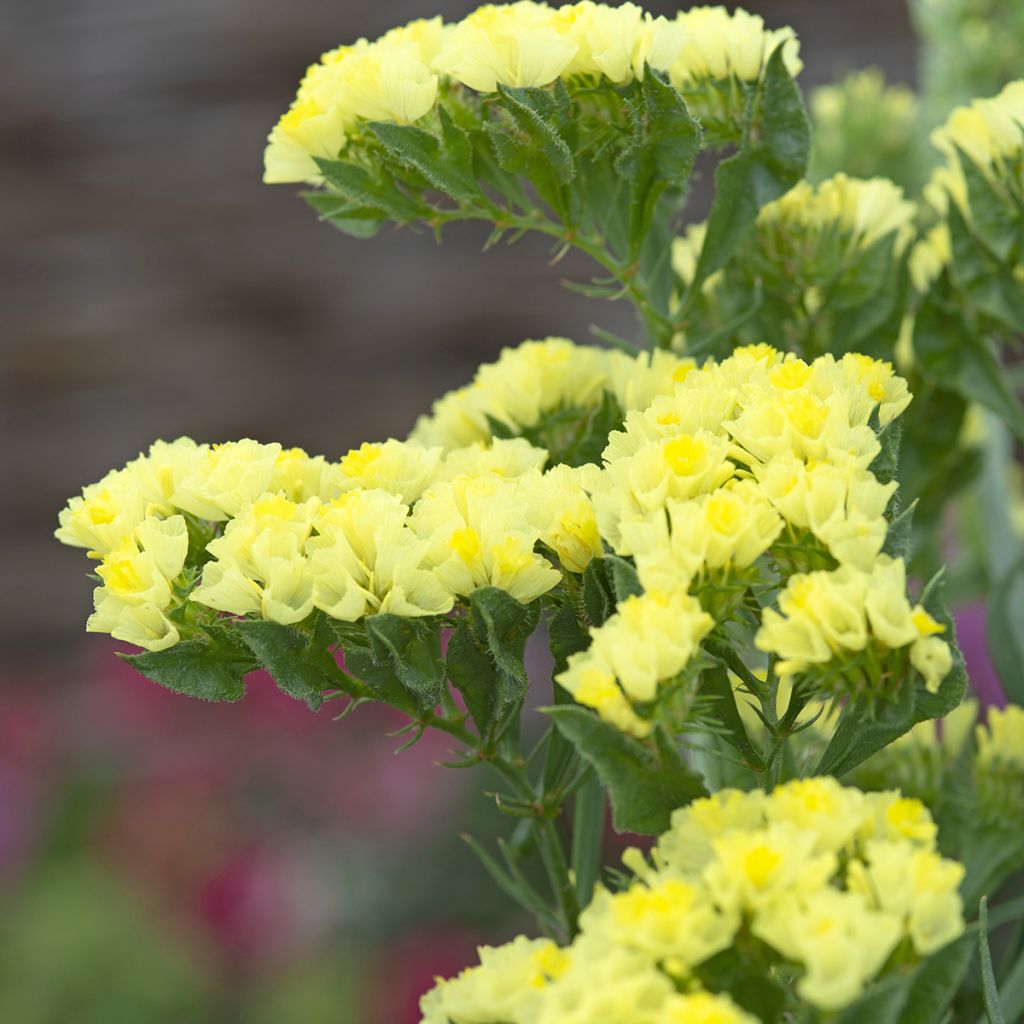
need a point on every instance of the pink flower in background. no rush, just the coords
(970, 633)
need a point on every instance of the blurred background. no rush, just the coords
(159, 860)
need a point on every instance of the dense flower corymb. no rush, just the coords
(831, 880)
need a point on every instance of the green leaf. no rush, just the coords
(765, 167)
(717, 688)
(786, 126)
(887, 461)
(412, 649)
(991, 219)
(664, 142)
(1011, 992)
(748, 983)
(346, 216)
(426, 155)
(380, 194)
(195, 668)
(485, 656)
(474, 674)
(301, 668)
(645, 785)
(527, 141)
(1004, 622)
(960, 359)
(587, 836)
(505, 625)
(993, 1011)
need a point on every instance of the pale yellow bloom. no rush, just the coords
(515, 45)
(478, 535)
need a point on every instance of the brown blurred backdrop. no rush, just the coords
(151, 286)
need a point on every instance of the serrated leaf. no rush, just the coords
(425, 154)
(598, 592)
(527, 141)
(504, 625)
(382, 194)
(786, 126)
(195, 668)
(411, 647)
(887, 461)
(645, 785)
(298, 667)
(474, 674)
(664, 142)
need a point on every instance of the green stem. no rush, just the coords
(587, 836)
(545, 833)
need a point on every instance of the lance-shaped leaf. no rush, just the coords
(412, 647)
(370, 192)
(663, 144)
(527, 141)
(645, 784)
(301, 667)
(197, 668)
(432, 158)
(485, 656)
(767, 165)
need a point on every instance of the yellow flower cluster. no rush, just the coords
(862, 211)
(720, 44)
(762, 452)
(537, 378)
(650, 639)
(399, 77)
(832, 880)
(1001, 739)
(990, 133)
(829, 616)
(393, 527)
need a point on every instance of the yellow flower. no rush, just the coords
(517, 45)
(843, 506)
(366, 559)
(650, 640)
(917, 886)
(820, 805)
(1001, 738)
(506, 458)
(260, 566)
(479, 535)
(616, 42)
(720, 44)
(593, 684)
(403, 468)
(559, 506)
(841, 941)
(727, 529)
(109, 511)
(669, 919)
(138, 581)
(677, 467)
(752, 870)
(225, 478)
